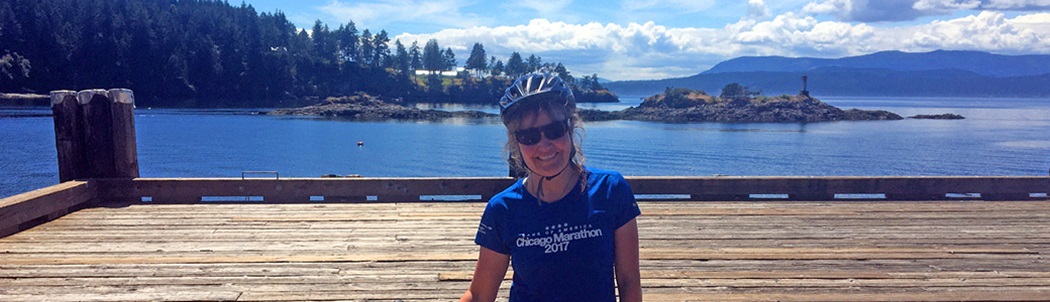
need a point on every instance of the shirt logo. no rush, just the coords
(556, 238)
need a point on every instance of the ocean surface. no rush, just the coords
(998, 137)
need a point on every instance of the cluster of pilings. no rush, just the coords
(95, 133)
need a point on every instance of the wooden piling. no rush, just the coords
(68, 137)
(125, 150)
(97, 126)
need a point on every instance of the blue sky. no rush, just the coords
(652, 39)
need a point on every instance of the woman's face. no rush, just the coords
(547, 157)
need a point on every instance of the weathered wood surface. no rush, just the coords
(691, 251)
(23, 210)
(69, 139)
(95, 133)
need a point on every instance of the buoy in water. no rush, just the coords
(360, 143)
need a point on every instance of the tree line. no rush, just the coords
(208, 53)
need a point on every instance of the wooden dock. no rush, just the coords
(343, 249)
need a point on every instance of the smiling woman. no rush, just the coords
(569, 229)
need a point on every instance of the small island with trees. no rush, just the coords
(736, 104)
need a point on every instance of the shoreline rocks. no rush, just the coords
(363, 107)
(24, 99)
(945, 116)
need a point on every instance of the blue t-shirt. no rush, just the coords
(563, 250)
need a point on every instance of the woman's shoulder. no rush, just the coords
(511, 194)
(597, 174)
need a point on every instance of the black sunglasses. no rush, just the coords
(552, 131)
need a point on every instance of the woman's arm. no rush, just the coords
(488, 275)
(628, 277)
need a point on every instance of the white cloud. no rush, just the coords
(649, 50)
(1017, 4)
(828, 7)
(1039, 22)
(989, 31)
(756, 9)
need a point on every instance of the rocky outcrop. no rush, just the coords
(362, 107)
(785, 109)
(592, 115)
(946, 116)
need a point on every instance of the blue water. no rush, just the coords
(998, 137)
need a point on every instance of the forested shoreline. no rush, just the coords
(206, 53)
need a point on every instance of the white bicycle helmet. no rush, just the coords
(528, 86)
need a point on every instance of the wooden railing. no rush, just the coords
(25, 210)
(295, 190)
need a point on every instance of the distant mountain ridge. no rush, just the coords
(888, 73)
(982, 63)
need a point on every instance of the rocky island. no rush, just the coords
(363, 107)
(685, 105)
(675, 105)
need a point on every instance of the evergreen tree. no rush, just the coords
(491, 65)
(381, 50)
(450, 59)
(515, 66)
(416, 58)
(324, 44)
(367, 49)
(498, 69)
(433, 57)
(348, 42)
(533, 63)
(477, 60)
(585, 82)
(564, 74)
(595, 84)
(402, 61)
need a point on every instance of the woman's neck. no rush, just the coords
(552, 188)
